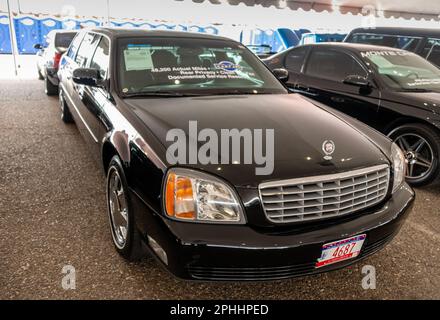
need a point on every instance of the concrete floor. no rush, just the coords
(52, 214)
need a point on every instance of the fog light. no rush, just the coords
(158, 250)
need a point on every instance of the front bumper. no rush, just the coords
(239, 252)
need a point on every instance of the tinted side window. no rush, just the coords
(85, 51)
(74, 46)
(100, 59)
(333, 65)
(431, 51)
(295, 59)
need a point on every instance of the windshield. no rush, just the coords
(191, 66)
(403, 70)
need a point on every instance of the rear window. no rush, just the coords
(63, 40)
(295, 59)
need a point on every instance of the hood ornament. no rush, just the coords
(328, 147)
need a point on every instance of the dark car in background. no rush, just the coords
(394, 91)
(336, 193)
(424, 42)
(49, 55)
(261, 51)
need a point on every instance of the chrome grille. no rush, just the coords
(326, 196)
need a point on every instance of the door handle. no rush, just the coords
(306, 90)
(337, 99)
(80, 91)
(302, 87)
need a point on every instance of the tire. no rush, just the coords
(40, 75)
(422, 149)
(66, 116)
(50, 89)
(129, 247)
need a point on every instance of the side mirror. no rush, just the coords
(87, 76)
(281, 74)
(359, 81)
(38, 46)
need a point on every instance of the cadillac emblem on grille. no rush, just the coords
(328, 147)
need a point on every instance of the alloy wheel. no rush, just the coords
(418, 153)
(118, 208)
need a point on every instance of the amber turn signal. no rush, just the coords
(179, 198)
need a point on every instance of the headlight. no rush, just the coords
(399, 166)
(195, 196)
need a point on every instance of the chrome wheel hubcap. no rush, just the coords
(118, 208)
(418, 155)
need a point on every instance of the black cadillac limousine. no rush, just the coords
(299, 188)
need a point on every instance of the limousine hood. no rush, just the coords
(300, 130)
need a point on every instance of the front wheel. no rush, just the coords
(126, 237)
(421, 147)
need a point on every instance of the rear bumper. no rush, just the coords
(238, 252)
(52, 76)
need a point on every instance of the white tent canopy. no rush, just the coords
(418, 9)
(316, 15)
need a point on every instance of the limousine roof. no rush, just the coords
(394, 31)
(126, 33)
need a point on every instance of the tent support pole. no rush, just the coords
(13, 38)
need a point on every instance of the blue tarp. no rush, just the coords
(274, 38)
(47, 25)
(322, 37)
(5, 39)
(28, 34)
(31, 30)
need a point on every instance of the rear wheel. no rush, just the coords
(66, 116)
(50, 88)
(421, 146)
(126, 237)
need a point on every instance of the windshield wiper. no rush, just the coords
(159, 93)
(235, 92)
(416, 90)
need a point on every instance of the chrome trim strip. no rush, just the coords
(322, 178)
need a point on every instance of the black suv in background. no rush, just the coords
(394, 91)
(424, 42)
(49, 55)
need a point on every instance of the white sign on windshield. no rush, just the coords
(423, 82)
(138, 58)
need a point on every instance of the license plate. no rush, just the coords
(340, 250)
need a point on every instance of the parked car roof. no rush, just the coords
(353, 46)
(126, 32)
(420, 32)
